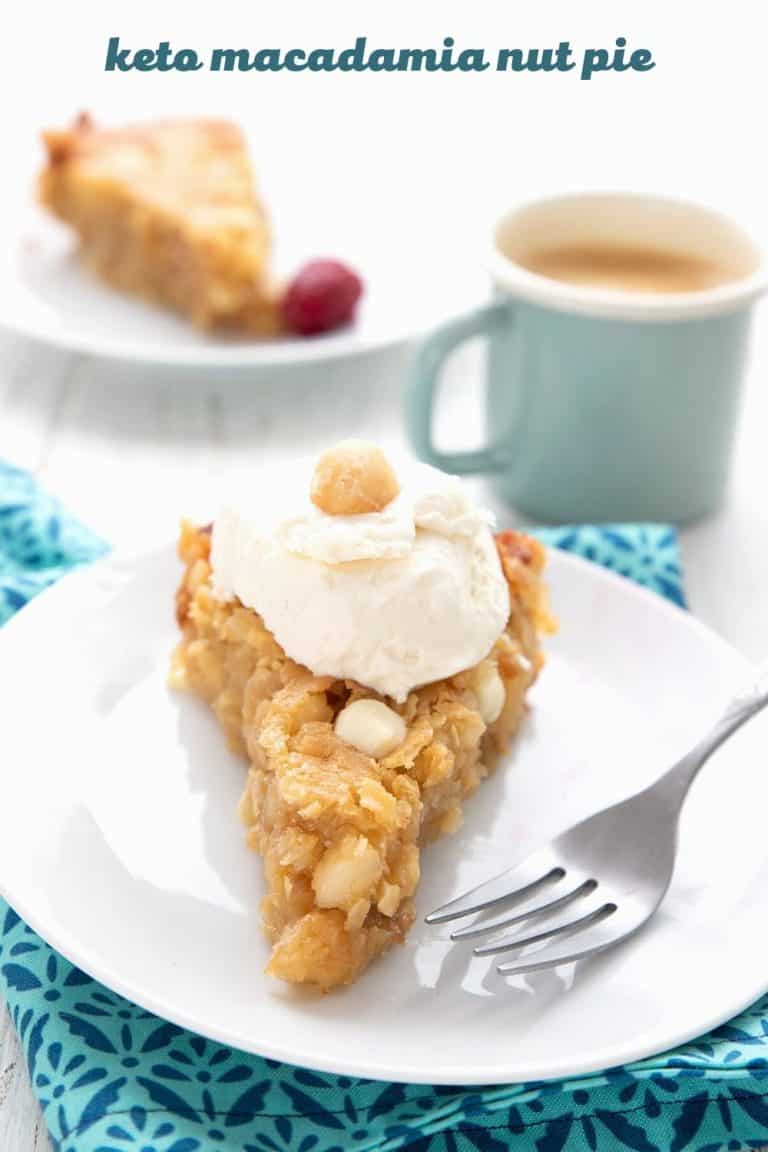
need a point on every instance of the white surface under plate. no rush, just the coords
(120, 844)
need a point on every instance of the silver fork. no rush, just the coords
(597, 883)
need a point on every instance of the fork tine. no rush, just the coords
(564, 926)
(602, 934)
(520, 882)
(532, 908)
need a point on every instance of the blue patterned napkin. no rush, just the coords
(111, 1077)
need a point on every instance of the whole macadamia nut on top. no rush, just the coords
(351, 478)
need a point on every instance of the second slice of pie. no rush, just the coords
(369, 652)
(168, 210)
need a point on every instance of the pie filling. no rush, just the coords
(341, 829)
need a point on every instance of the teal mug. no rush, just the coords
(617, 338)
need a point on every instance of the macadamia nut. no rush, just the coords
(371, 727)
(352, 478)
(489, 689)
(389, 898)
(348, 872)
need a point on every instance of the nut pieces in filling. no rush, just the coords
(371, 727)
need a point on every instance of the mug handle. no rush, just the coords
(424, 378)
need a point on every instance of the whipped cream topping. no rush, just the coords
(392, 599)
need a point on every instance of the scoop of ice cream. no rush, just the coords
(395, 598)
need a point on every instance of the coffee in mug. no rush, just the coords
(624, 268)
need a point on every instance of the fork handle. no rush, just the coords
(741, 709)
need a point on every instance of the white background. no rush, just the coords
(420, 159)
(460, 145)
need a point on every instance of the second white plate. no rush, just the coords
(49, 296)
(395, 241)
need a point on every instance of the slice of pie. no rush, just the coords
(346, 782)
(168, 210)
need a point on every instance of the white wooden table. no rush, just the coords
(130, 450)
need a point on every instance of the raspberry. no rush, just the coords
(322, 296)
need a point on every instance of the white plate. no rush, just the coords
(46, 294)
(119, 842)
